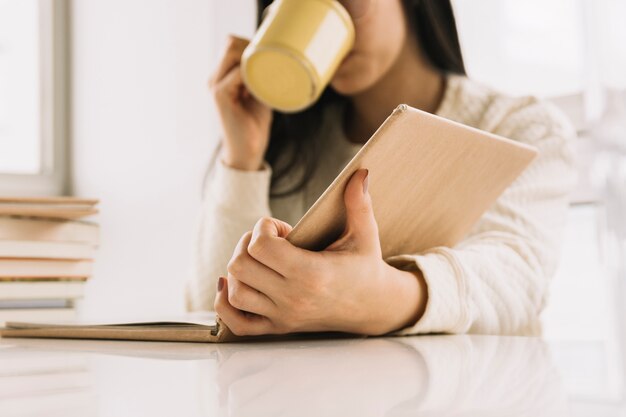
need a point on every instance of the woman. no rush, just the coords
(272, 164)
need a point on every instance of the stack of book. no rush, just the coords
(46, 256)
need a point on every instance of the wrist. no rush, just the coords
(242, 164)
(405, 298)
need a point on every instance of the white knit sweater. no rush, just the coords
(494, 281)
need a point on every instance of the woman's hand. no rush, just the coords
(245, 121)
(274, 287)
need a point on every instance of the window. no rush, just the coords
(552, 49)
(32, 97)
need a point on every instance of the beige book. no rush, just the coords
(44, 268)
(38, 290)
(54, 212)
(430, 180)
(7, 279)
(193, 328)
(37, 315)
(45, 250)
(50, 200)
(49, 230)
(48, 207)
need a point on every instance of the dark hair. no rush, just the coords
(295, 135)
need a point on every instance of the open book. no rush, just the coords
(192, 328)
(430, 180)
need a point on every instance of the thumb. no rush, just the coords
(361, 227)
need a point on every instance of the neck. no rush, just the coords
(410, 80)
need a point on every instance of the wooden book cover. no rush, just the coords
(430, 180)
(193, 328)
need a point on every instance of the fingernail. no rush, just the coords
(366, 181)
(220, 284)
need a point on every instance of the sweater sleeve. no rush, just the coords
(233, 200)
(496, 279)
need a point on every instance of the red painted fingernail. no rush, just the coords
(220, 284)
(366, 181)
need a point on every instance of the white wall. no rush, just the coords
(142, 133)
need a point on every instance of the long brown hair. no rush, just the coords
(431, 21)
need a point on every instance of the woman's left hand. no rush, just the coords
(274, 287)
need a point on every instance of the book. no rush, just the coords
(43, 268)
(26, 304)
(35, 210)
(38, 280)
(45, 250)
(430, 181)
(198, 328)
(47, 207)
(37, 289)
(58, 201)
(49, 230)
(194, 328)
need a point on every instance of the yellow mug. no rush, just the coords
(296, 51)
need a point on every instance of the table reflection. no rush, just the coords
(431, 375)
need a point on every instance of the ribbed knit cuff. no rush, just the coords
(245, 191)
(446, 310)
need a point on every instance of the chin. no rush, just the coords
(351, 81)
(349, 86)
(345, 87)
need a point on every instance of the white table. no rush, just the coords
(576, 370)
(432, 375)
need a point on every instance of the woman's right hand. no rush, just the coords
(245, 121)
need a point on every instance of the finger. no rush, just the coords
(246, 298)
(269, 246)
(231, 84)
(239, 322)
(361, 226)
(251, 272)
(232, 87)
(230, 57)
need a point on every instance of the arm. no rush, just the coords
(496, 279)
(237, 192)
(233, 201)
